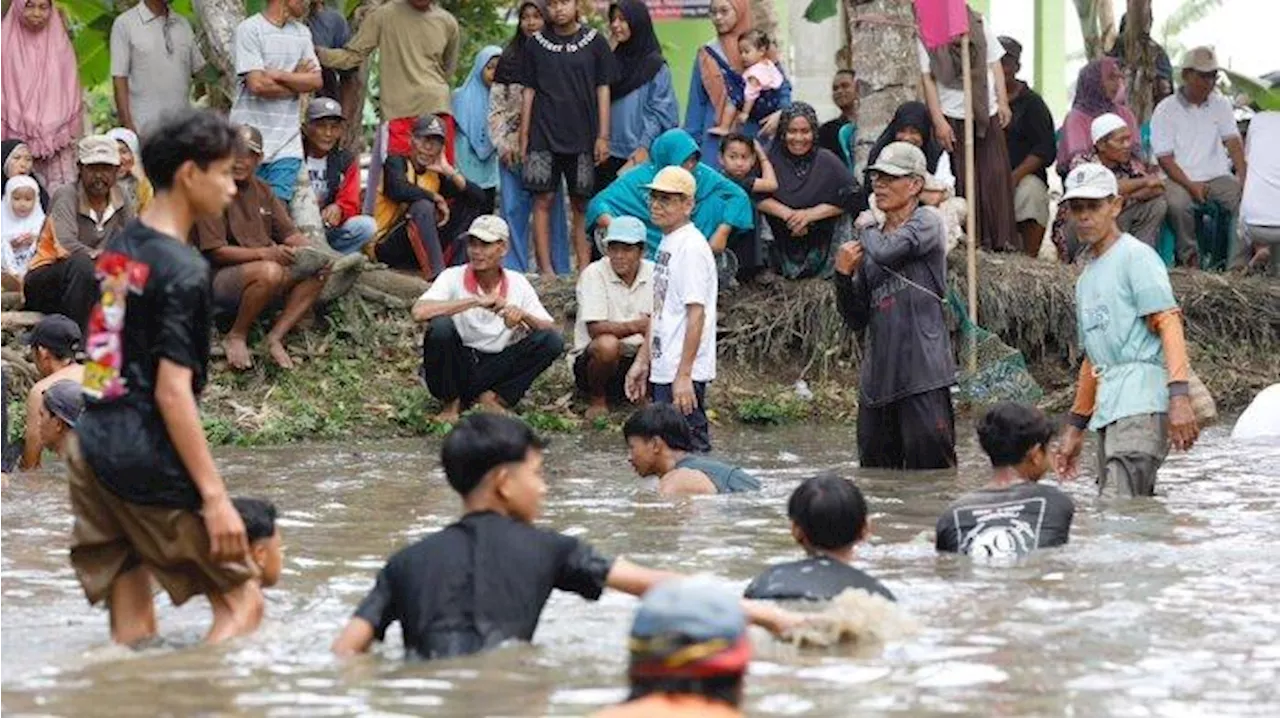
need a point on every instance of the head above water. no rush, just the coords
(652, 434)
(1016, 436)
(828, 513)
(259, 516)
(495, 464)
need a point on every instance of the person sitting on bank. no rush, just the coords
(53, 341)
(891, 283)
(485, 579)
(1195, 139)
(828, 519)
(60, 408)
(91, 210)
(1138, 397)
(488, 335)
(258, 256)
(1032, 148)
(335, 178)
(423, 202)
(1014, 513)
(689, 653)
(660, 443)
(615, 298)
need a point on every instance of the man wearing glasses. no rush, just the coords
(1192, 133)
(153, 56)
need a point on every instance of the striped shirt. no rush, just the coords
(260, 45)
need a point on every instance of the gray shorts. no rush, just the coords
(1130, 452)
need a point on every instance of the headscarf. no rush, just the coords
(512, 60)
(909, 114)
(813, 178)
(1090, 101)
(12, 226)
(709, 70)
(640, 57)
(7, 147)
(41, 87)
(130, 139)
(471, 105)
(718, 200)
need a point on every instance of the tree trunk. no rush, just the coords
(218, 21)
(1097, 26)
(1140, 60)
(353, 140)
(882, 50)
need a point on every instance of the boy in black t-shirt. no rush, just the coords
(747, 165)
(564, 123)
(148, 501)
(828, 518)
(483, 580)
(1013, 514)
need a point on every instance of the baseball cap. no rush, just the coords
(99, 150)
(428, 126)
(1011, 47)
(901, 159)
(57, 333)
(1090, 181)
(323, 107)
(489, 228)
(251, 138)
(680, 614)
(1200, 59)
(625, 230)
(1104, 125)
(65, 400)
(674, 180)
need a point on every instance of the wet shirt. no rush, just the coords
(729, 479)
(478, 583)
(565, 72)
(816, 578)
(1006, 523)
(154, 304)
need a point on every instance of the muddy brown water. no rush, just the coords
(1164, 607)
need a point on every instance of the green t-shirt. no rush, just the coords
(728, 479)
(1114, 295)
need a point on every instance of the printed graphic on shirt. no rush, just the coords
(661, 280)
(118, 276)
(1005, 530)
(571, 46)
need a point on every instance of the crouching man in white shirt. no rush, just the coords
(488, 335)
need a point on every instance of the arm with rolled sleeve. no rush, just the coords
(354, 53)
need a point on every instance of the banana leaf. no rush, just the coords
(1264, 97)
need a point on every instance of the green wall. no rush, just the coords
(680, 42)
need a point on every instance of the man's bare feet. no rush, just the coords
(279, 354)
(489, 402)
(598, 408)
(237, 351)
(450, 413)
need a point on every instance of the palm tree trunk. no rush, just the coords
(1140, 58)
(882, 50)
(218, 21)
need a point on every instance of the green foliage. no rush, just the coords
(821, 10)
(764, 411)
(1266, 98)
(483, 22)
(550, 423)
(1183, 17)
(17, 427)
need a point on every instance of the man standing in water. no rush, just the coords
(1132, 388)
(147, 499)
(678, 357)
(905, 417)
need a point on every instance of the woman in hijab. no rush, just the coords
(643, 99)
(708, 92)
(41, 88)
(505, 98)
(17, 161)
(131, 178)
(720, 207)
(477, 157)
(910, 123)
(1098, 87)
(815, 191)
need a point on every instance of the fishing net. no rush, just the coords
(1000, 372)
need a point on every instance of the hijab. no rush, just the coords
(13, 226)
(914, 115)
(709, 70)
(512, 59)
(640, 57)
(8, 146)
(471, 105)
(810, 179)
(717, 200)
(40, 86)
(1090, 102)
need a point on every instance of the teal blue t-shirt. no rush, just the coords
(1114, 295)
(729, 479)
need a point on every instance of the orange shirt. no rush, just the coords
(48, 249)
(668, 705)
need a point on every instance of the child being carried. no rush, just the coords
(762, 81)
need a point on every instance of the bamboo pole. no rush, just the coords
(970, 191)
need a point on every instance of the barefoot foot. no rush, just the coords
(450, 413)
(237, 351)
(597, 409)
(279, 354)
(489, 402)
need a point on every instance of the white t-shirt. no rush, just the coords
(951, 99)
(684, 274)
(480, 328)
(1194, 134)
(317, 170)
(1260, 205)
(604, 297)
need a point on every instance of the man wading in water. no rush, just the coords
(1132, 388)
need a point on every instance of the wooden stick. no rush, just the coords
(971, 218)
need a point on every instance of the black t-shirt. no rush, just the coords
(565, 73)
(829, 136)
(477, 583)
(1006, 522)
(1031, 131)
(154, 304)
(816, 578)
